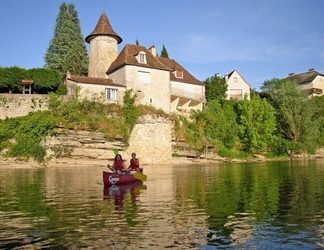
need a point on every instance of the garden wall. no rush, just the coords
(14, 105)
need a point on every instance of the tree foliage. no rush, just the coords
(297, 125)
(318, 108)
(10, 79)
(131, 113)
(257, 123)
(216, 88)
(215, 127)
(295, 113)
(44, 80)
(27, 132)
(164, 52)
(67, 44)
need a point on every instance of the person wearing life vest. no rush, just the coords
(134, 166)
(118, 166)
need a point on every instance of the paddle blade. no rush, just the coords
(140, 176)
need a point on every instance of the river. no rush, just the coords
(260, 205)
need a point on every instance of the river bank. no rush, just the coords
(63, 162)
(72, 162)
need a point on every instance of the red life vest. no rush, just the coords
(133, 164)
(118, 165)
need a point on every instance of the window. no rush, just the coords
(141, 57)
(111, 94)
(179, 74)
(143, 77)
(236, 94)
(235, 79)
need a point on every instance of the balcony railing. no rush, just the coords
(186, 94)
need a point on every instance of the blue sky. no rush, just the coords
(261, 39)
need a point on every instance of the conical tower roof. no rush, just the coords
(103, 28)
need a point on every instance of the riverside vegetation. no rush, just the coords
(280, 121)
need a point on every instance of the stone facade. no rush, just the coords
(103, 51)
(156, 92)
(14, 105)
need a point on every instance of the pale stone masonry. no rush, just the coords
(14, 105)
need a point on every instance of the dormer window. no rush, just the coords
(178, 74)
(141, 57)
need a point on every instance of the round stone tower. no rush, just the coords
(103, 48)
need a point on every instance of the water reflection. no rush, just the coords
(120, 192)
(270, 205)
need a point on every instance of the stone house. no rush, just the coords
(237, 86)
(310, 81)
(160, 82)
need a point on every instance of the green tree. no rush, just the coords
(297, 124)
(67, 40)
(318, 108)
(73, 62)
(216, 126)
(45, 80)
(257, 123)
(131, 113)
(164, 52)
(270, 89)
(10, 79)
(216, 88)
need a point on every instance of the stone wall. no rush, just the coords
(14, 105)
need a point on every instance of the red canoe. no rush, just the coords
(110, 179)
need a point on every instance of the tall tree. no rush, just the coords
(257, 122)
(296, 121)
(164, 52)
(67, 39)
(295, 115)
(216, 88)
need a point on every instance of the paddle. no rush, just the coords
(140, 176)
(113, 169)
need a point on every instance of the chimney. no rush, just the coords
(226, 78)
(152, 49)
(291, 74)
(312, 69)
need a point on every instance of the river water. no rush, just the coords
(265, 205)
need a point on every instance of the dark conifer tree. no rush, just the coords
(164, 52)
(67, 43)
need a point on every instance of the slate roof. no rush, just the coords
(94, 80)
(103, 28)
(128, 57)
(304, 77)
(173, 65)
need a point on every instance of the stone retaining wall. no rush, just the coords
(14, 105)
